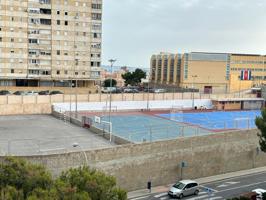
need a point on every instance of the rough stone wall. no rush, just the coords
(134, 164)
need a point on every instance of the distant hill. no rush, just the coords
(117, 68)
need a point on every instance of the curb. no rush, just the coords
(221, 177)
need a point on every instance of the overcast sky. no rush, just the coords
(133, 30)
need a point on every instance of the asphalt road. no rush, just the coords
(224, 189)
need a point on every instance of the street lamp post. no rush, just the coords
(112, 61)
(193, 79)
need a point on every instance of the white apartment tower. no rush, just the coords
(50, 42)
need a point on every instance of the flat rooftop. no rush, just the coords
(44, 134)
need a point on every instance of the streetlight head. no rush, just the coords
(75, 144)
(112, 60)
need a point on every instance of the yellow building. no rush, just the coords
(50, 42)
(208, 72)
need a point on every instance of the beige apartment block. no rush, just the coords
(50, 42)
(206, 71)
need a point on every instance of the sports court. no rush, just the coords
(147, 128)
(164, 125)
(44, 134)
(217, 120)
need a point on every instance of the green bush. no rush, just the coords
(20, 180)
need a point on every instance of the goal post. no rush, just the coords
(176, 113)
(242, 123)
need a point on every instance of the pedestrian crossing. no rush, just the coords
(201, 196)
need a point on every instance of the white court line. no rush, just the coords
(160, 195)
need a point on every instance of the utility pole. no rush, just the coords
(112, 61)
(193, 79)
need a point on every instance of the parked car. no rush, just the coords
(4, 92)
(56, 92)
(130, 90)
(31, 93)
(107, 90)
(259, 192)
(20, 93)
(46, 92)
(159, 90)
(184, 188)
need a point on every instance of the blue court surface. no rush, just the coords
(217, 120)
(146, 128)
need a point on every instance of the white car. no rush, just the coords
(184, 188)
(259, 192)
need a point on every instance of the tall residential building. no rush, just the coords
(207, 71)
(50, 42)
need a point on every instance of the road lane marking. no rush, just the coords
(236, 177)
(208, 188)
(137, 198)
(163, 198)
(160, 195)
(232, 183)
(223, 185)
(200, 193)
(198, 197)
(214, 198)
(242, 186)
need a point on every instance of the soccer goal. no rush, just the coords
(107, 109)
(176, 113)
(242, 123)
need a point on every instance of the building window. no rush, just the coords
(58, 72)
(0, 39)
(12, 71)
(58, 22)
(66, 23)
(96, 16)
(58, 12)
(66, 13)
(65, 72)
(96, 6)
(76, 73)
(12, 40)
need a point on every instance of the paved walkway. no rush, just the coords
(164, 188)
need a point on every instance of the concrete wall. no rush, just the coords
(134, 164)
(135, 105)
(42, 104)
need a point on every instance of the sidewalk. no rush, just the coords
(161, 189)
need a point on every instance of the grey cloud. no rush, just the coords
(135, 29)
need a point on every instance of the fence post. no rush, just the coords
(8, 147)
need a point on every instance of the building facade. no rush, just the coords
(207, 71)
(50, 42)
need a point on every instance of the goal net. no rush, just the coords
(107, 109)
(242, 123)
(176, 113)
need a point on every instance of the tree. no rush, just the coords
(134, 78)
(107, 83)
(261, 125)
(20, 180)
